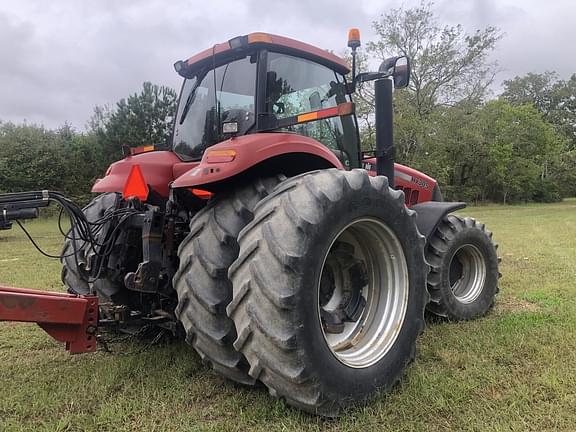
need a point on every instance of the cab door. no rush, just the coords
(296, 86)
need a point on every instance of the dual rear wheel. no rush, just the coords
(325, 292)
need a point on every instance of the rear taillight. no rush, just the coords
(201, 193)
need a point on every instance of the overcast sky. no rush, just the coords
(60, 58)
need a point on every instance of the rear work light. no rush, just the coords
(219, 156)
(238, 42)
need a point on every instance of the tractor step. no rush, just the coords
(67, 318)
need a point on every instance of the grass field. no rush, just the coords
(513, 370)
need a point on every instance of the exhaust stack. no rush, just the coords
(385, 150)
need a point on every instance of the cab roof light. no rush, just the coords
(238, 42)
(180, 67)
(259, 37)
(135, 186)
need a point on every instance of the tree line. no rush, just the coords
(517, 146)
(33, 157)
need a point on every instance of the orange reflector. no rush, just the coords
(339, 110)
(201, 193)
(307, 117)
(259, 37)
(218, 156)
(135, 186)
(141, 149)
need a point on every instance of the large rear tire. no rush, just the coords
(463, 280)
(329, 289)
(202, 283)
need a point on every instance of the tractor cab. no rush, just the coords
(265, 83)
(261, 104)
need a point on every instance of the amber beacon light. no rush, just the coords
(354, 38)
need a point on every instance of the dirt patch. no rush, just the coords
(514, 305)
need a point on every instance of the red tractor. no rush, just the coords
(283, 252)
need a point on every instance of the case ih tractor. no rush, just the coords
(282, 252)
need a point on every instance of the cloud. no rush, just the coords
(59, 62)
(60, 59)
(477, 14)
(533, 32)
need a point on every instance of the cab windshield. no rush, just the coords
(211, 98)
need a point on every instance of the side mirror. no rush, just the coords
(399, 69)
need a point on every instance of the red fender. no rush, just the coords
(236, 155)
(157, 168)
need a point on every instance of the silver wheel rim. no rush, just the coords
(472, 276)
(367, 337)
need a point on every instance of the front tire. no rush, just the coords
(463, 280)
(329, 289)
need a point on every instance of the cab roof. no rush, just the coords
(280, 43)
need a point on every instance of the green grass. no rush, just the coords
(512, 370)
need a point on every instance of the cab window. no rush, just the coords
(210, 98)
(294, 86)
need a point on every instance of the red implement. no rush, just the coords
(66, 317)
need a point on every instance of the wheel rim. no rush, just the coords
(467, 273)
(363, 293)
